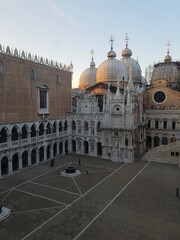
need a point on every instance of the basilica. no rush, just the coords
(115, 113)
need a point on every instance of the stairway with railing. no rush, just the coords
(164, 153)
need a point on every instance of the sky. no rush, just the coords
(66, 31)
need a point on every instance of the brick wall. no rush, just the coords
(19, 93)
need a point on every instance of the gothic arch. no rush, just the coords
(41, 129)
(86, 147)
(55, 149)
(33, 156)
(4, 165)
(66, 147)
(4, 135)
(15, 162)
(33, 130)
(60, 148)
(156, 141)
(48, 151)
(54, 126)
(65, 125)
(48, 128)
(148, 141)
(14, 133)
(98, 126)
(41, 154)
(73, 146)
(99, 149)
(60, 126)
(24, 159)
(73, 125)
(24, 132)
(86, 126)
(164, 141)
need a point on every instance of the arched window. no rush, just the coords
(33, 74)
(33, 130)
(86, 126)
(14, 133)
(73, 125)
(48, 128)
(54, 127)
(98, 126)
(41, 129)
(156, 124)
(3, 135)
(165, 124)
(60, 126)
(43, 100)
(65, 126)
(24, 132)
(173, 125)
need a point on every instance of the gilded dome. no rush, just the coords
(88, 76)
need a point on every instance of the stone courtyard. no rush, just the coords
(113, 201)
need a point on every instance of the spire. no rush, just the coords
(130, 85)
(92, 64)
(118, 94)
(108, 97)
(111, 54)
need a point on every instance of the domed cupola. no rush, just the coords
(111, 70)
(168, 70)
(131, 63)
(88, 76)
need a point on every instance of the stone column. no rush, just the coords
(20, 162)
(45, 155)
(10, 166)
(29, 159)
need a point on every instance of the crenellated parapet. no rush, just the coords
(34, 58)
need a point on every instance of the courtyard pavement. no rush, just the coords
(115, 201)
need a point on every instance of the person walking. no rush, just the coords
(177, 192)
(87, 170)
(79, 161)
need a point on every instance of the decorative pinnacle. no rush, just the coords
(126, 39)
(111, 40)
(168, 45)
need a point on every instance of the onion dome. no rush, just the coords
(167, 57)
(88, 76)
(126, 52)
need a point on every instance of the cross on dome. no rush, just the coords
(111, 40)
(168, 45)
(92, 53)
(126, 39)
